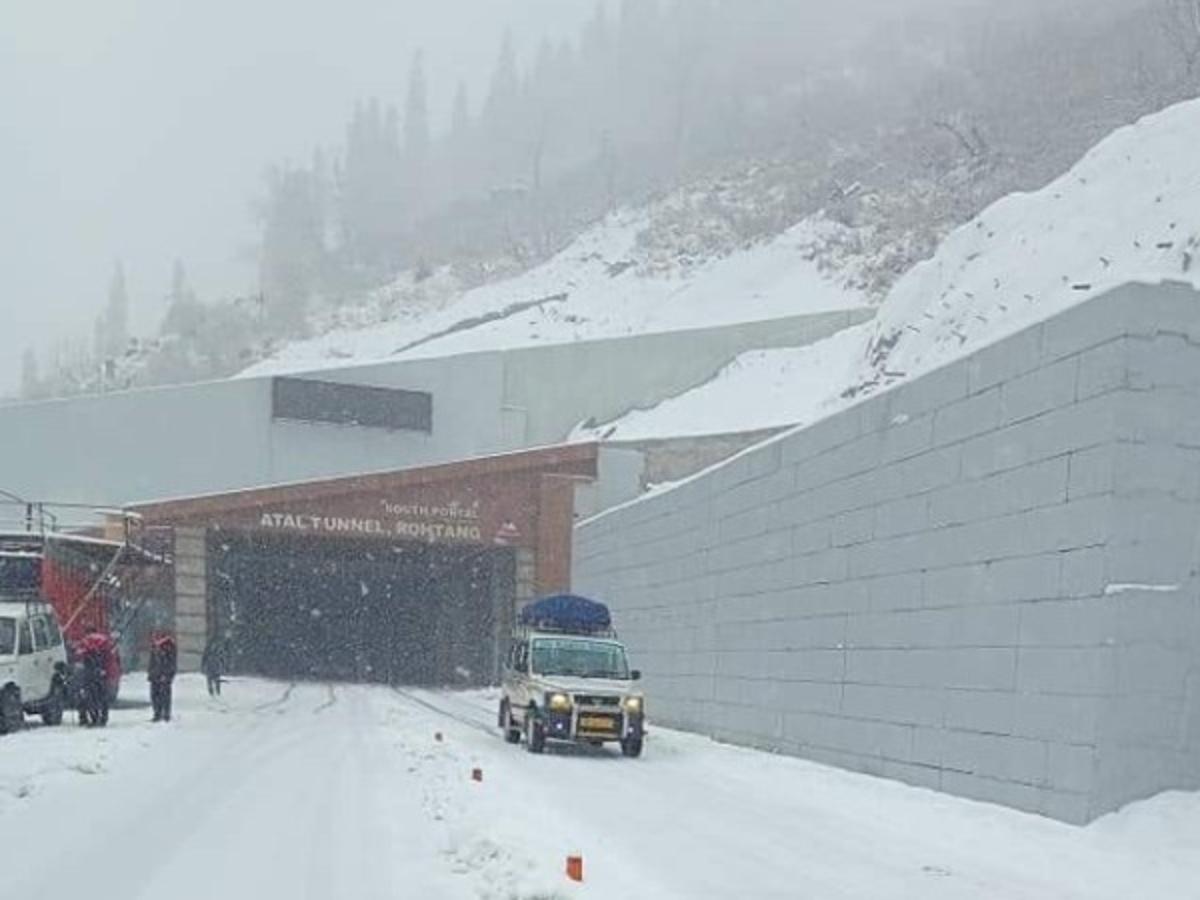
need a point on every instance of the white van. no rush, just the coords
(33, 665)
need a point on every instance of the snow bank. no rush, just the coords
(1128, 211)
(58, 761)
(1113, 590)
(601, 286)
(788, 827)
(759, 390)
(314, 790)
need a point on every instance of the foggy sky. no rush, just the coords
(140, 129)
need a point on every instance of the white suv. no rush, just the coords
(33, 665)
(570, 687)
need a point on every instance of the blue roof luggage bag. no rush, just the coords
(567, 613)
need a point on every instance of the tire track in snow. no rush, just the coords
(274, 704)
(218, 766)
(496, 866)
(332, 701)
(469, 721)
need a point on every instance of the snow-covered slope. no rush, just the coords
(1129, 211)
(759, 390)
(605, 284)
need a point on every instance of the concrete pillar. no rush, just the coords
(191, 596)
(526, 577)
(503, 581)
(556, 519)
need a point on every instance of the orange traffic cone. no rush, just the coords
(575, 868)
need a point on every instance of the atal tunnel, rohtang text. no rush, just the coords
(295, 606)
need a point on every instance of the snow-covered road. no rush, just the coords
(313, 791)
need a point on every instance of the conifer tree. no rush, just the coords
(31, 382)
(116, 314)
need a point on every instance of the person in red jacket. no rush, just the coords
(163, 656)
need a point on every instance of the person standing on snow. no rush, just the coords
(161, 675)
(213, 664)
(93, 687)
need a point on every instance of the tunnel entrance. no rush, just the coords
(369, 610)
(412, 576)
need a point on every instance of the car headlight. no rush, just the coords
(558, 702)
(633, 705)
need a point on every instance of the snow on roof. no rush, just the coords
(81, 539)
(11, 607)
(544, 457)
(38, 538)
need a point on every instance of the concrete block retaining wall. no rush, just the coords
(983, 581)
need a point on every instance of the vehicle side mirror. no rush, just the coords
(636, 674)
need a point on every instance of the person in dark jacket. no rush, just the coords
(213, 664)
(162, 675)
(93, 686)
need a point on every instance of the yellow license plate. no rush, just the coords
(596, 723)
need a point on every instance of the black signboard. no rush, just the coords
(20, 574)
(305, 400)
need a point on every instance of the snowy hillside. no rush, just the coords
(1129, 211)
(607, 283)
(761, 389)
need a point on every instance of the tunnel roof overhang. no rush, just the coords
(523, 499)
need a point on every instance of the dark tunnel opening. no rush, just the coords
(365, 610)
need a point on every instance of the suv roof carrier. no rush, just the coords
(567, 614)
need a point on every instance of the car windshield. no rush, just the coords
(8, 636)
(583, 659)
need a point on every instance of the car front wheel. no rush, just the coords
(632, 747)
(512, 734)
(535, 733)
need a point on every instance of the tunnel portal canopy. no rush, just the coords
(411, 576)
